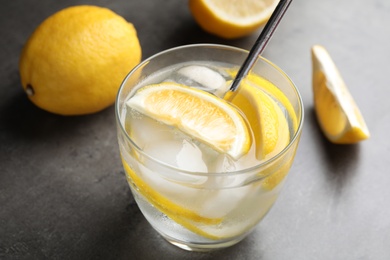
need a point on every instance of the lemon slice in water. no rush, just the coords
(197, 113)
(256, 97)
(181, 215)
(268, 123)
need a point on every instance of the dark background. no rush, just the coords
(63, 193)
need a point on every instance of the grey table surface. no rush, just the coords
(63, 193)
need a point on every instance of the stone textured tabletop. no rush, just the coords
(63, 193)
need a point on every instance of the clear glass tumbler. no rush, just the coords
(203, 210)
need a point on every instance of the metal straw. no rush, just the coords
(261, 42)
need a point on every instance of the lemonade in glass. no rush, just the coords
(205, 164)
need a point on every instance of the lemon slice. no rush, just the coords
(276, 93)
(231, 18)
(197, 113)
(268, 123)
(338, 115)
(215, 228)
(256, 97)
(185, 217)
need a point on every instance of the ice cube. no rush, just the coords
(146, 130)
(224, 163)
(160, 180)
(164, 151)
(202, 77)
(226, 191)
(176, 186)
(179, 153)
(190, 158)
(224, 201)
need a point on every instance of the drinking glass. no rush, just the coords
(197, 210)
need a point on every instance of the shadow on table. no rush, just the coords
(128, 235)
(152, 246)
(20, 118)
(191, 33)
(340, 160)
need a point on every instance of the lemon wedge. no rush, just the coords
(277, 94)
(268, 123)
(231, 18)
(197, 113)
(256, 98)
(338, 115)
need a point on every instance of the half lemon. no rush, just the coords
(231, 18)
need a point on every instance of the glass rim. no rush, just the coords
(236, 172)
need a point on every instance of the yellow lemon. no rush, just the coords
(338, 115)
(231, 18)
(277, 94)
(256, 97)
(76, 59)
(267, 121)
(197, 113)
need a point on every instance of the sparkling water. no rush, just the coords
(210, 205)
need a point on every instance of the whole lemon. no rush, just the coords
(75, 61)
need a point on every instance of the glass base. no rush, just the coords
(202, 247)
(180, 236)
